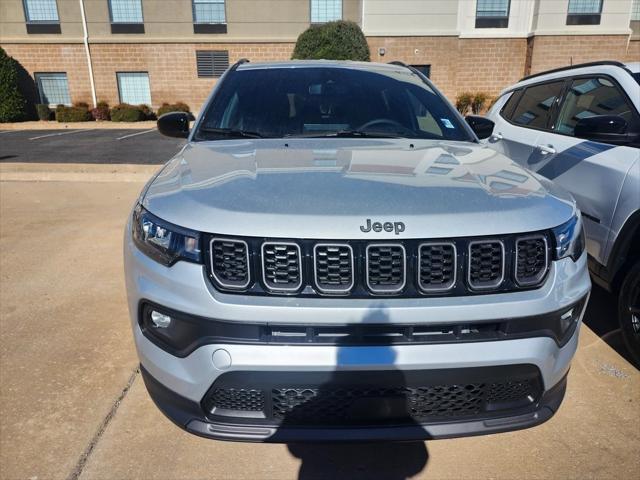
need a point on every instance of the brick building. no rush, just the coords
(155, 51)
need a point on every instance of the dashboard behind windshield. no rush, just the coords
(325, 101)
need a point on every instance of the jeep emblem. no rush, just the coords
(397, 227)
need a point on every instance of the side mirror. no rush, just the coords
(605, 129)
(175, 124)
(482, 127)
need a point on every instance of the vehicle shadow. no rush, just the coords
(346, 397)
(601, 316)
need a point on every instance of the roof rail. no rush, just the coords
(578, 65)
(399, 63)
(238, 63)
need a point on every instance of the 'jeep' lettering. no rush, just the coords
(397, 227)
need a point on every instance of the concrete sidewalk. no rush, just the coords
(72, 404)
(53, 125)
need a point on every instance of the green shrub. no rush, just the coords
(78, 113)
(478, 103)
(12, 103)
(126, 113)
(339, 40)
(173, 107)
(43, 111)
(463, 102)
(101, 112)
(147, 112)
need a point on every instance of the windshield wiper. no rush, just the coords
(345, 134)
(230, 132)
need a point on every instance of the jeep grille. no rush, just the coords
(333, 264)
(230, 262)
(486, 264)
(362, 269)
(437, 266)
(386, 268)
(281, 266)
(531, 259)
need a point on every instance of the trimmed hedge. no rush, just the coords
(101, 112)
(174, 107)
(78, 113)
(43, 111)
(471, 101)
(339, 40)
(127, 113)
(148, 112)
(12, 103)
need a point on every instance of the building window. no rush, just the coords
(584, 12)
(133, 88)
(424, 69)
(41, 16)
(212, 63)
(209, 16)
(126, 16)
(635, 18)
(492, 13)
(53, 88)
(323, 11)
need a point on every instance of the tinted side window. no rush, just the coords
(588, 97)
(510, 104)
(535, 105)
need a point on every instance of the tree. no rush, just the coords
(339, 40)
(12, 103)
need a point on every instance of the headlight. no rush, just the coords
(162, 241)
(569, 239)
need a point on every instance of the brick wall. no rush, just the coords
(558, 51)
(171, 67)
(458, 65)
(69, 58)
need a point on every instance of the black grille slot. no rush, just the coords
(375, 397)
(333, 267)
(236, 399)
(531, 260)
(230, 262)
(281, 266)
(437, 266)
(386, 268)
(486, 264)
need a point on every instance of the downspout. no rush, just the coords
(88, 52)
(362, 15)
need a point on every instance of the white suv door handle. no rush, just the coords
(546, 149)
(496, 137)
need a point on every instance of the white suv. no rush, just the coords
(580, 127)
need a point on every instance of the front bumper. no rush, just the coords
(188, 415)
(179, 385)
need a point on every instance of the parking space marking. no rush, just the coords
(10, 131)
(58, 134)
(136, 134)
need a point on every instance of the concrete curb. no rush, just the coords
(42, 125)
(76, 172)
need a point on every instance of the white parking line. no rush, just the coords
(10, 131)
(61, 133)
(136, 134)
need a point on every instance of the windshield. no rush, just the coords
(328, 102)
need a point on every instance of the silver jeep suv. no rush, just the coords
(334, 256)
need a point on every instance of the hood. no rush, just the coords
(328, 188)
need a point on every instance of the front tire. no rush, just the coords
(629, 312)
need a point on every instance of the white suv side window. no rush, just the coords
(588, 97)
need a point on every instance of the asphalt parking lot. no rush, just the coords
(73, 405)
(93, 146)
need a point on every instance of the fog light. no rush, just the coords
(160, 320)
